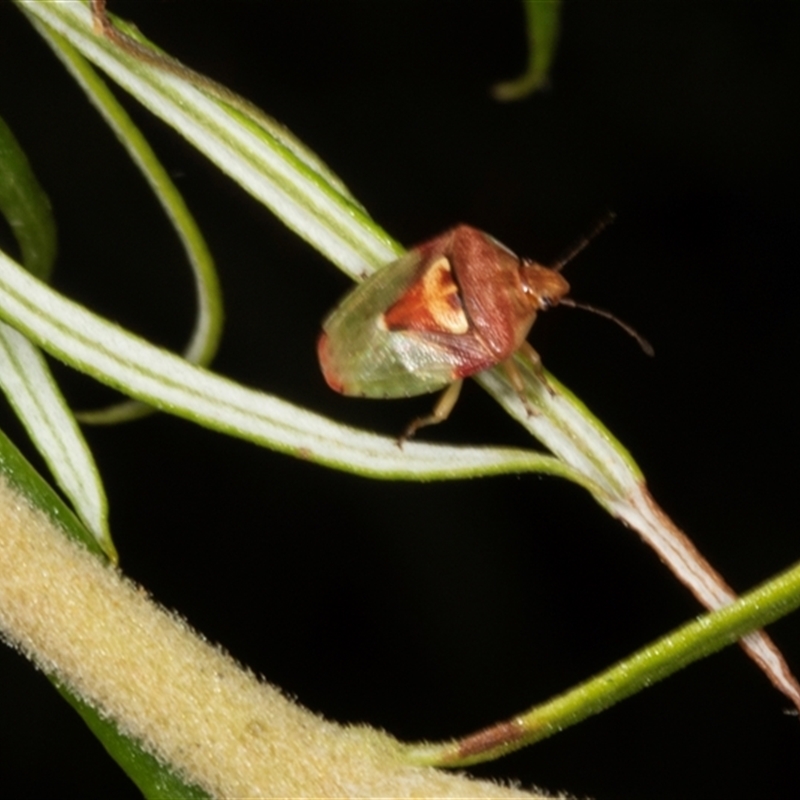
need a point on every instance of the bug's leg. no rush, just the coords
(518, 385)
(536, 362)
(441, 411)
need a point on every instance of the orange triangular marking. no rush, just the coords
(432, 303)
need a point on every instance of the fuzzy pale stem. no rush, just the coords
(185, 700)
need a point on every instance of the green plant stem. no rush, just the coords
(696, 640)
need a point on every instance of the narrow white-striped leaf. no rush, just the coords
(25, 377)
(208, 325)
(30, 388)
(264, 164)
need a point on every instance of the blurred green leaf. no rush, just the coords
(26, 207)
(542, 17)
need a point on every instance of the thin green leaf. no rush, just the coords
(155, 780)
(542, 17)
(698, 639)
(204, 342)
(26, 207)
(27, 480)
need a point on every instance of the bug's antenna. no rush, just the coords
(643, 343)
(601, 224)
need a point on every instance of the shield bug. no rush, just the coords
(449, 308)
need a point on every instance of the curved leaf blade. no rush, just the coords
(25, 377)
(262, 161)
(204, 341)
(31, 390)
(543, 22)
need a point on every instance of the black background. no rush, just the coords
(431, 610)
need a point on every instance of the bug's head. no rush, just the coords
(543, 287)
